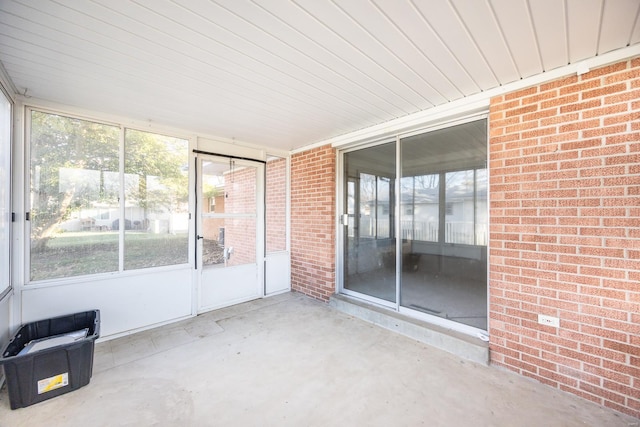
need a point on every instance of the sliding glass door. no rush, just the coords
(369, 236)
(444, 225)
(419, 242)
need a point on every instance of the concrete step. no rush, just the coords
(462, 345)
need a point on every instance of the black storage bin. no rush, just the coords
(43, 374)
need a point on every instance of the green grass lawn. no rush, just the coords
(80, 253)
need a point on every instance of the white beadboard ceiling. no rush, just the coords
(288, 73)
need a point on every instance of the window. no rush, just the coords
(448, 207)
(370, 242)
(375, 196)
(80, 203)
(276, 204)
(438, 265)
(466, 195)
(444, 262)
(5, 193)
(74, 171)
(156, 211)
(421, 202)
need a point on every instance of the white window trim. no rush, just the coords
(123, 126)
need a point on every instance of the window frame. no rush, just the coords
(119, 123)
(6, 288)
(345, 147)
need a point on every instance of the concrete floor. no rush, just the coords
(293, 361)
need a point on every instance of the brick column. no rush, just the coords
(313, 189)
(565, 233)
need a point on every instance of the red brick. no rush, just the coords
(604, 130)
(541, 114)
(572, 211)
(617, 377)
(582, 394)
(599, 391)
(567, 81)
(616, 325)
(603, 71)
(608, 110)
(623, 138)
(604, 152)
(607, 90)
(579, 87)
(622, 118)
(622, 368)
(521, 110)
(623, 97)
(312, 262)
(585, 124)
(629, 159)
(577, 106)
(559, 118)
(622, 76)
(521, 93)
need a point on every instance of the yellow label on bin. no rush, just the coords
(53, 383)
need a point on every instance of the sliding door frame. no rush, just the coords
(341, 237)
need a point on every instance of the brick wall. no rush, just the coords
(276, 205)
(313, 187)
(565, 233)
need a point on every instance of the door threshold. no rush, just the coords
(462, 345)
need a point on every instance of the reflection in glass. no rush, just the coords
(73, 195)
(460, 208)
(420, 207)
(276, 204)
(370, 247)
(444, 222)
(481, 228)
(156, 222)
(228, 214)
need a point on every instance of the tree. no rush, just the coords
(60, 146)
(75, 165)
(159, 164)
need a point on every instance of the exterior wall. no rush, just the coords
(313, 187)
(565, 233)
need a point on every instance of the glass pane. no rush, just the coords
(240, 190)
(228, 214)
(229, 241)
(74, 168)
(156, 223)
(383, 227)
(351, 206)
(276, 204)
(460, 207)
(213, 241)
(482, 212)
(420, 207)
(370, 246)
(444, 257)
(367, 205)
(5, 186)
